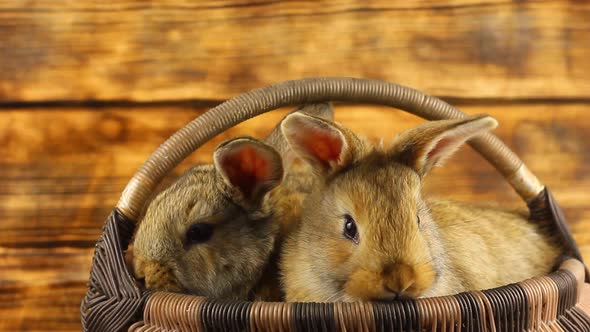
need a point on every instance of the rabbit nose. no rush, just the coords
(400, 279)
(391, 295)
(401, 294)
(387, 296)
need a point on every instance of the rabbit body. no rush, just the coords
(368, 234)
(485, 247)
(216, 231)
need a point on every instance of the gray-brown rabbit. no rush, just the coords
(368, 234)
(214, 230)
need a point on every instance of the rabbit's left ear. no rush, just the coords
(430, 144)
(249, 169)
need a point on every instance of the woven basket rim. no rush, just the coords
(572, 265)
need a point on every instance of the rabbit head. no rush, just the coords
(366, 233)
(209, 234)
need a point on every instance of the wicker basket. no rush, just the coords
(115, 301)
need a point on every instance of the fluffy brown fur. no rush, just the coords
(244, 196)
(407, 246)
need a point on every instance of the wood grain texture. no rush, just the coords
(62, 170)
(212, 50)
(41, 289)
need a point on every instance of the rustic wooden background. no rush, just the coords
(89, 89)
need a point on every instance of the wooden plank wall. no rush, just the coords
(88, 89)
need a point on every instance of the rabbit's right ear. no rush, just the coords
(249, 169)
(322, 144)
(277, 140)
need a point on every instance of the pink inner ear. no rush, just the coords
(438, 149)
(324, 146)
(246, 168)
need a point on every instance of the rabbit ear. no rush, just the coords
(278, 141)
(322, 144)
(249, 169)
(430, 144)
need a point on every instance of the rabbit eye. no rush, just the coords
(418, 219)
(199, 233)
(350, 231)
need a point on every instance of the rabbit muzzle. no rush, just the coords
(156, 276)
(393, 282)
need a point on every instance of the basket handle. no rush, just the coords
(312, 90)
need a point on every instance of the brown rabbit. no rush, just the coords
(367, 234)
(212, 232)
